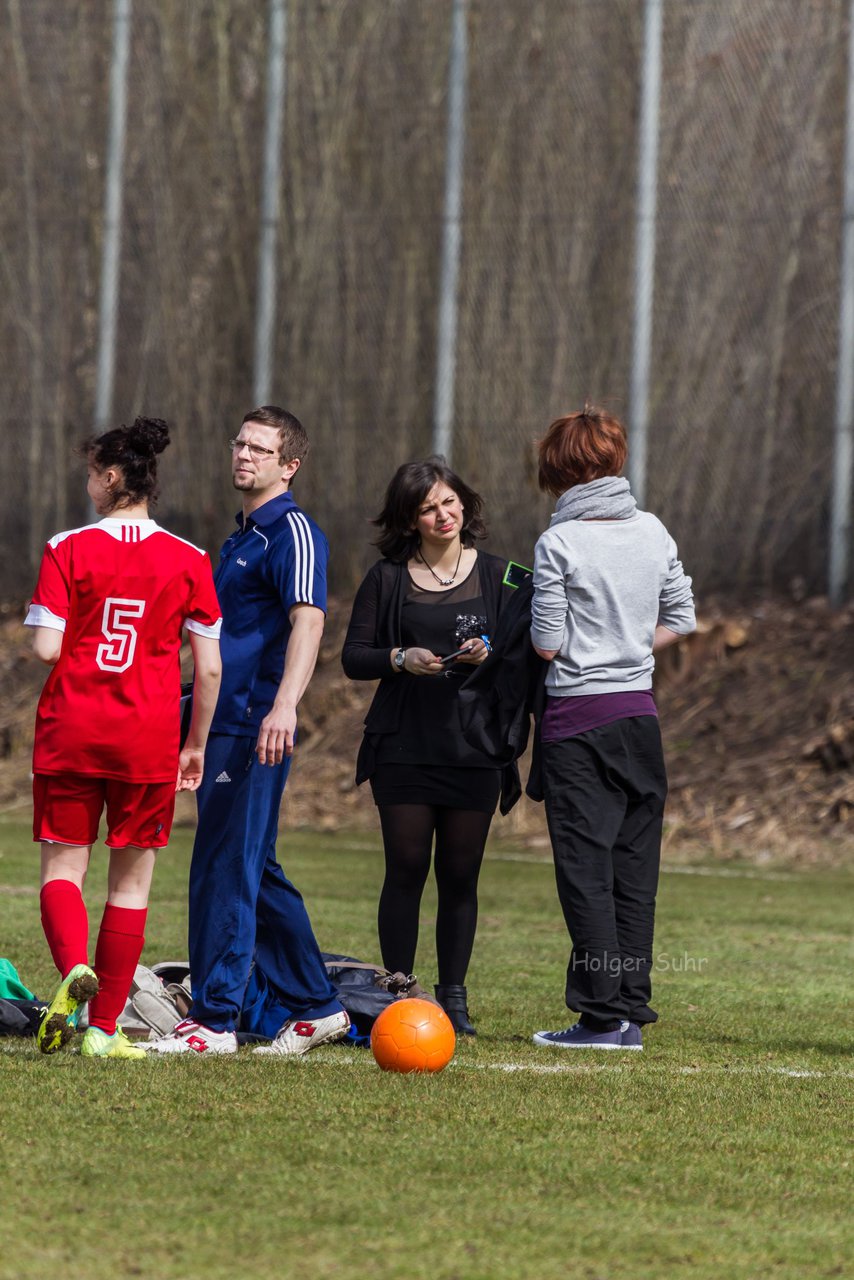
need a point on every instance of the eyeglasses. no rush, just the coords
(257, 451)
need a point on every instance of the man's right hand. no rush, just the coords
(191, 766)
(277, 735)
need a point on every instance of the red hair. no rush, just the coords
(579, 448)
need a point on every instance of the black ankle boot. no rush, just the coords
(453, 1001)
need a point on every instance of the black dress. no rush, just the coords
(428, 761)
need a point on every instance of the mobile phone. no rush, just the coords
(452, 657)
(516, 575)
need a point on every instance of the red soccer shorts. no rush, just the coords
(68, 807)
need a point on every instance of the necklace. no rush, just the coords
(443, 582)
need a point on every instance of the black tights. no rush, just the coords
(408, 831)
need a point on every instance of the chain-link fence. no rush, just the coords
(744, 350)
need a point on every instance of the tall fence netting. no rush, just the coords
(751, 138)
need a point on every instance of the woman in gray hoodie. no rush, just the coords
(609, 591)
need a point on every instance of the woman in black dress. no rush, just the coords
(421, 622)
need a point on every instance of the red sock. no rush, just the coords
(65, 924)
(120, 942)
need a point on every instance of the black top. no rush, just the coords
(430, 733)
(380, 614)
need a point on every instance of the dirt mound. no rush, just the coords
(758, 715)
(757, 710)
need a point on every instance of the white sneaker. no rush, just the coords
(192, 1037)
(299, 1035)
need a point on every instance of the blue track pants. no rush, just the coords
(243, 909)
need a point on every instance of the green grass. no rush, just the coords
(718, 1152)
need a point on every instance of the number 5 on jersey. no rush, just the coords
(118, 651)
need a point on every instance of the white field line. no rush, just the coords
(545, 859)
(586, 1063)
(724, 873)
(575, 1068)
(330, 1056)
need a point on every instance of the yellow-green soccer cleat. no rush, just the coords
(60, 1017)
(98, 1044)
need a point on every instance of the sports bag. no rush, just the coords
(366, 989)
(159, 998)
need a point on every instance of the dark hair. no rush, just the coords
(409, 486)
(133, 452)
(293, 440)
(579, 448)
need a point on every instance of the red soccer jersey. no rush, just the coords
(121, 591)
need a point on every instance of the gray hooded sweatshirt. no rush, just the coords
(605, 575)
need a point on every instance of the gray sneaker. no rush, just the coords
(630, 1035)
(579, 1037)
(298, 1035)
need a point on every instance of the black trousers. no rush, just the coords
(604, 793)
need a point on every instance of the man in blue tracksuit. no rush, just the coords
(253, 954)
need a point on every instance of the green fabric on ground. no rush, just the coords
(11, 986)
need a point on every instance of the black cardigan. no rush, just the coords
(374, 631)
(499, 697)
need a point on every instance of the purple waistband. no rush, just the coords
(566, 717)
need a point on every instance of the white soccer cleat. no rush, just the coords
(298, 1035)
(192, 1037)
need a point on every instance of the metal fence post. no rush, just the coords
(265, 316)
(645, 217)
(446, 358)
(843, 456)
(112, 214)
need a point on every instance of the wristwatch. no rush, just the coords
(399, 659)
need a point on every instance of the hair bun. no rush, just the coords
(148, 436)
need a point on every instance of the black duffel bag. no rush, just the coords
(366, 989)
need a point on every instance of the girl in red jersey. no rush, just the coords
(108, 611)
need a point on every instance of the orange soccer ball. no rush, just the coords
(413, 1035)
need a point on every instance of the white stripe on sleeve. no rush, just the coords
(38, 615)
(201, 629)
(303, 558)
